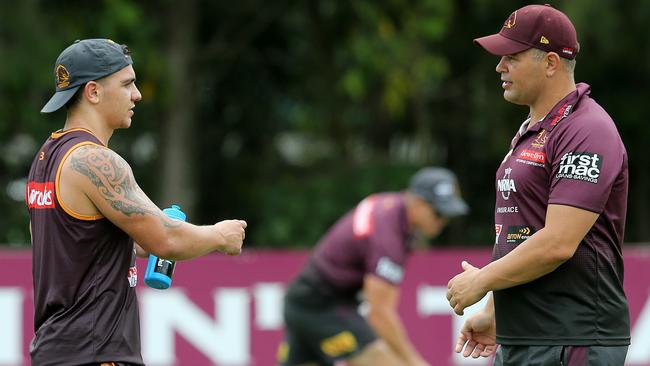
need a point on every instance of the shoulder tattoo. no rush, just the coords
(115, 182)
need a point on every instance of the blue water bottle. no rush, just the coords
(160, 271)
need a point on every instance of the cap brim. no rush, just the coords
(59, 99)
(499, 45)
(455, 207)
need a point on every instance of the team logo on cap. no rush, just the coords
(510, 22)
(544, 40)
(62, 77)
(444, 189)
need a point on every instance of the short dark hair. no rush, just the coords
(76, 97)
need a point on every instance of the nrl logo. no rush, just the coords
(510, 22)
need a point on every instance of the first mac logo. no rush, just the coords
(40, 195)
(583, 166)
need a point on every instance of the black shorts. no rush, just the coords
(320, 328)
(561, 355)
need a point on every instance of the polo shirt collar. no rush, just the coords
(564, 107)
(560, 111)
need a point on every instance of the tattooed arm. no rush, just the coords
(94, 178)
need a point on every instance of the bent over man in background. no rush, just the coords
(86, 210)
(366, 250)
(557, 270)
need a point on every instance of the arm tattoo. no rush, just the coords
(115, 183)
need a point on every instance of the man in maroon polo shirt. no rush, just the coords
(561, 200)
(366, 250)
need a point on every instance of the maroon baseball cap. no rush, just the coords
(534, 26)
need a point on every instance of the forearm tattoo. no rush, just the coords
(115, 182)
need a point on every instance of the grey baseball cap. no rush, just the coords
(84, 61)
(439, 187)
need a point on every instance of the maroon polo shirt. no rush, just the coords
(372, 238)
(573, 157)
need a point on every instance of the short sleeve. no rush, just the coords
(587, 157)
(387, 250)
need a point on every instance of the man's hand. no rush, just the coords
(478, 336)
(233, 233)
(463, 290)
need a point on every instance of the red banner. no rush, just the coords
(228, 310)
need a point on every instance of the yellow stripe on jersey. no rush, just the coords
(56, 186)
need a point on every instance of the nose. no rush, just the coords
(501, 66)
(136, 96)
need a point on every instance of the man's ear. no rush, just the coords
(92, 92)
(553, 63)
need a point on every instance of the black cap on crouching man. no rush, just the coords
(84, 61)
(439, 187)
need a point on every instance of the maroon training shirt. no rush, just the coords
(372, 238)
(573, 157)
(85, 308)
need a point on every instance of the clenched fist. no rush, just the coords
(232, 233)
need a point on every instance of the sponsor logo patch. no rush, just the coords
(497, 231)
(563, 112)
(507, 209)
(584, 166)
(283, 352)
(339, 344)
(506, 185)
(362, 223)
(389, 270)
(532, 157)
(517, 234)
(133, 276)
(40, 195)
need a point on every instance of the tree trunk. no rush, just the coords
(179, 164)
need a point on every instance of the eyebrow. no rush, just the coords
(128, 81)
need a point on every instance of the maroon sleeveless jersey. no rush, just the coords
(85, 306)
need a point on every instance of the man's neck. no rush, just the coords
(548, 100)
(89, 122)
